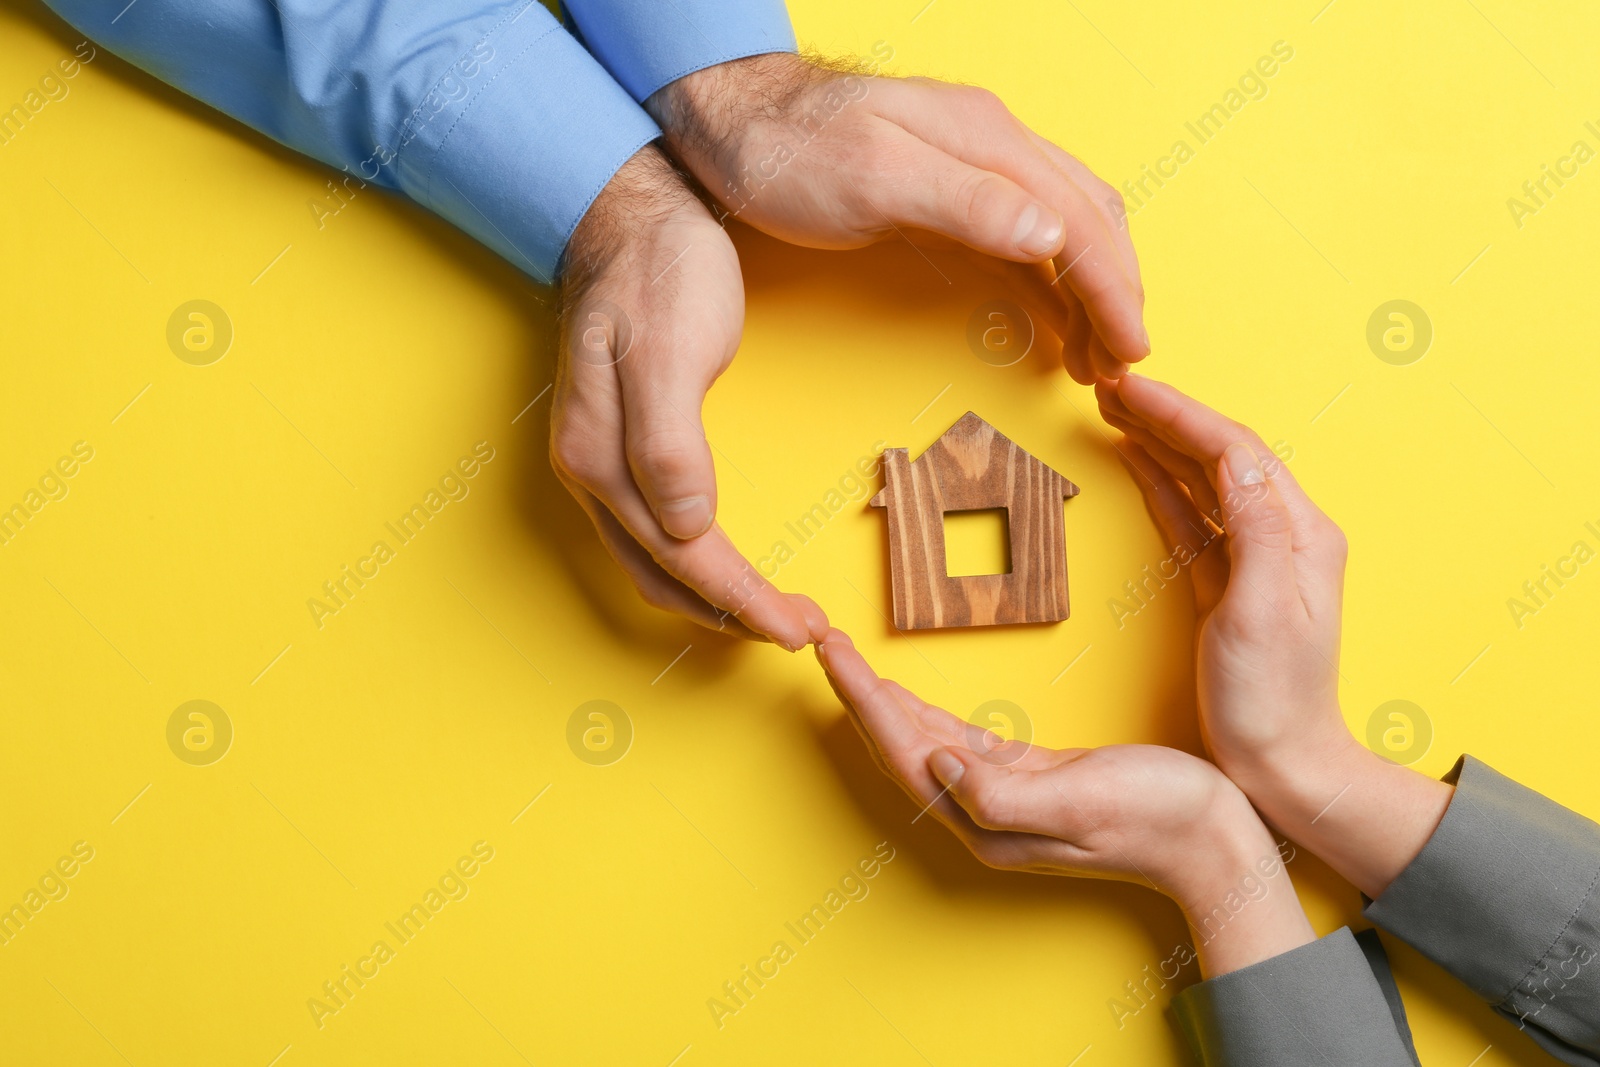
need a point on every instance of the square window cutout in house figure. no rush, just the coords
(973, 467)
(977, 542)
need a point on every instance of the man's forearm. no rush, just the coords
(494, 117)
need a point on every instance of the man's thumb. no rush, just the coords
(669, 454)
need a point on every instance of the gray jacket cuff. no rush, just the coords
(1318, 1004)
(1503, 897)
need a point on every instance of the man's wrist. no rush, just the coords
(705, 116)
(643, 191)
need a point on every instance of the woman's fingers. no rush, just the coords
(1195, 479)
(1001, 797)
(1193, 428)
(1260, 538)
(891, 730)
(941, 726)
(891, 719)
(1012, 805)
(1187, 534)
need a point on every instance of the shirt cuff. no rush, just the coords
(1319, 1003)
(1503, 897)
(521, 156)
(646, 44)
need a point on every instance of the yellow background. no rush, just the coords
(427, 714)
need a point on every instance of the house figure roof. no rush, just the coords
(973, 466)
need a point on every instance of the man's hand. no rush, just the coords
(653, 306)
(1268, 593)
(1137, 813)
(837, 159)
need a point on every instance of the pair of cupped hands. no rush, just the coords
(830, 158)
(1266, 567)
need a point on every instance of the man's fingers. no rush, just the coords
(656, 587)
(588, 453)
(816, 618)
(687, 315)
(1109, 202)
(915, 184)
(1075, 345)
(974, 126)
(1105, 364)
(1029, 285)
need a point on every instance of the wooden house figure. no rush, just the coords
(973, 467)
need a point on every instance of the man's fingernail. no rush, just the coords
(1038, 230)
(1243, 467)
(686, 518)
(1144, 332)
(946, 767)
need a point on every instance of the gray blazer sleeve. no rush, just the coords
(1329, 1002)
(1503, 897)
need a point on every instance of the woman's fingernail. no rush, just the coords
(946, 767)
(1243, 467)
(686, 518)
(1038, 230)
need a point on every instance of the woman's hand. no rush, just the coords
(836, 158)
(1268, 573)
(1138, 813)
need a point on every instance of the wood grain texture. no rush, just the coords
(970, 467)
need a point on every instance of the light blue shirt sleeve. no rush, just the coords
(646, 44)
(488, 112)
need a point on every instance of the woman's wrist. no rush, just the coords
(1237, 897)
(1364, 816)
